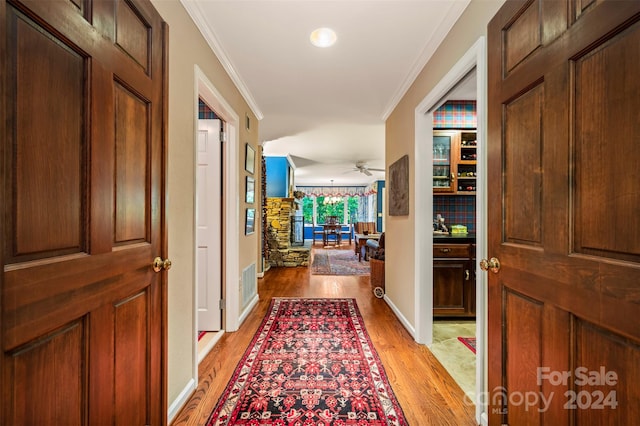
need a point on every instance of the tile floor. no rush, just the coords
(459, 361)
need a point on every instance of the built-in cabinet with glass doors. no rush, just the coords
(454, 161)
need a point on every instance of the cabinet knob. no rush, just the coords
(492, 265)
(466, 275)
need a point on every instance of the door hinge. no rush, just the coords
(223, 136)
(223, 304)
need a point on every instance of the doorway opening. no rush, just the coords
(208, 222)
(226, 241)
(474, 58)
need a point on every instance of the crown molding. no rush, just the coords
(451, 16)
(197, 15)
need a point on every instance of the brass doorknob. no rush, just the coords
(492, 265)
(159, 264)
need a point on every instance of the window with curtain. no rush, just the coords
(348, 205)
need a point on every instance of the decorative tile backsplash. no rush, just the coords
(457, 210)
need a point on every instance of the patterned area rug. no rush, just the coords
(337, 262)
(311, 362)
(469, 342)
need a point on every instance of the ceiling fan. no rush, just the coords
(363, 168)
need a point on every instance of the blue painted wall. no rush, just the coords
(277, 176)
(379, 212)
(308, 232)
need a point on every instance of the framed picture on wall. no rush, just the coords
(250, 192)
(250, 224)
(250, 159)
(399, 187)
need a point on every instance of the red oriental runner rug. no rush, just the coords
(311, 362)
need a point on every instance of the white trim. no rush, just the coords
(232, 225)
(484, 419)
(405, 322)
(198, 16)
(203, 352)
(423, 253)
(475, 57)
(180, 400)
(245, 313)
(482, 238)
(439, 33)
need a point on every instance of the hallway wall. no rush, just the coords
(188, 48)
(400, 140)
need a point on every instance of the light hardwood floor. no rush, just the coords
(427, 393)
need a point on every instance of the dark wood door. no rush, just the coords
(83, 312)
(564, 96)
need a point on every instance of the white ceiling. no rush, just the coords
(325, 108)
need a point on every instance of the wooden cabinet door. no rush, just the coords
(453, 288)
(81, 119)
(445, 143)
(448, 287)
(564, 96)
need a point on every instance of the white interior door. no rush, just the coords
(209, 225)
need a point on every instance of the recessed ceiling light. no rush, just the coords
(323, 37)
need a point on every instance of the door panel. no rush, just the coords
(49, 378)
(132, 155)
(132, 34)
(52, 199)
(523, 320)
(130, 344)
(82, 170)
(523, 168)
(563, 102)
(599, 169)
(209, 225)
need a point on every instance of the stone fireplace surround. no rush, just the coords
(281, 253)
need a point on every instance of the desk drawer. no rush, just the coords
(451, 250)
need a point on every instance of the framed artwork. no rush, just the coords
(250, 224)
(250, 159)
(249, 196)
(399, 187)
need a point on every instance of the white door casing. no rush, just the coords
(475, 57)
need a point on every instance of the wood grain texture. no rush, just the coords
(563, 222)
(426, 392)
(523, 169)
(83, 164)
(48, 205)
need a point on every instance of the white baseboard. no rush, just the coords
(176, 405)
(248, 309)
(401, 317)
(204, 351)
